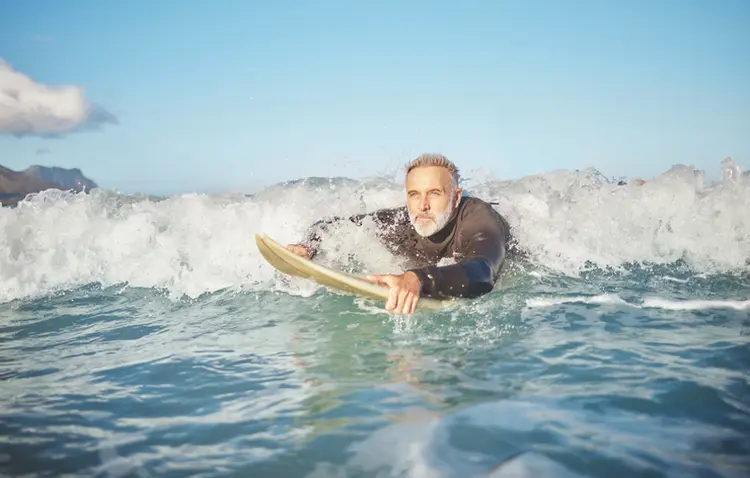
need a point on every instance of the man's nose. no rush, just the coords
(425, 205)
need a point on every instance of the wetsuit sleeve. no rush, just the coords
(384, 218)
(483, 242)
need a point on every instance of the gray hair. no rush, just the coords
(434, 159)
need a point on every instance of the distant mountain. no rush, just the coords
(66, 178)
(15, 185)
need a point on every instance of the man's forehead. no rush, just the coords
(428, 175)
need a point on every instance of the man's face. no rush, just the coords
(429, 199)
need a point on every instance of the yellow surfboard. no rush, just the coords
(289, 263)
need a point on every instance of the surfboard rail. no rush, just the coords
(291, 264)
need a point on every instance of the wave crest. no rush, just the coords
(191, 244)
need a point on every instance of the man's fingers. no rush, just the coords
(408, 306)
(392, 300)
(299, 250)
(397, 301)
(403, 301)
(381, 279)
(407, 302)
(413, 303)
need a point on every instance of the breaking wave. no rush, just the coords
(566, 221)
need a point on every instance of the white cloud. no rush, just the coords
(31, 108)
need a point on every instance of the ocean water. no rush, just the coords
(147, 337)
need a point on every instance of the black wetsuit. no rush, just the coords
(477, 237)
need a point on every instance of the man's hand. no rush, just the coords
(405, 291)
(300, 250)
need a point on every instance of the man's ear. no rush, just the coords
(458, 197)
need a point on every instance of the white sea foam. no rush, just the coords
(603, 299)
(658, 303)
(647, 303)
(191, 244)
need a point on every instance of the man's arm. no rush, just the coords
(384, 218)
(483, 241)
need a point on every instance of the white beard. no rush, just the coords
(434, 225)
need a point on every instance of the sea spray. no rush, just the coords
(566, 222)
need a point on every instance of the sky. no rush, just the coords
(175, 96)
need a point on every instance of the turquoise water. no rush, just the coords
(147, 338)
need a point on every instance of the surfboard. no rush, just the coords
(291, 264)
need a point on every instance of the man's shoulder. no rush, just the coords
(476, 211)
(473, 204)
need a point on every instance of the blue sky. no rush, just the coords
(232, 95)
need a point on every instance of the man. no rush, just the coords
(437, 222)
